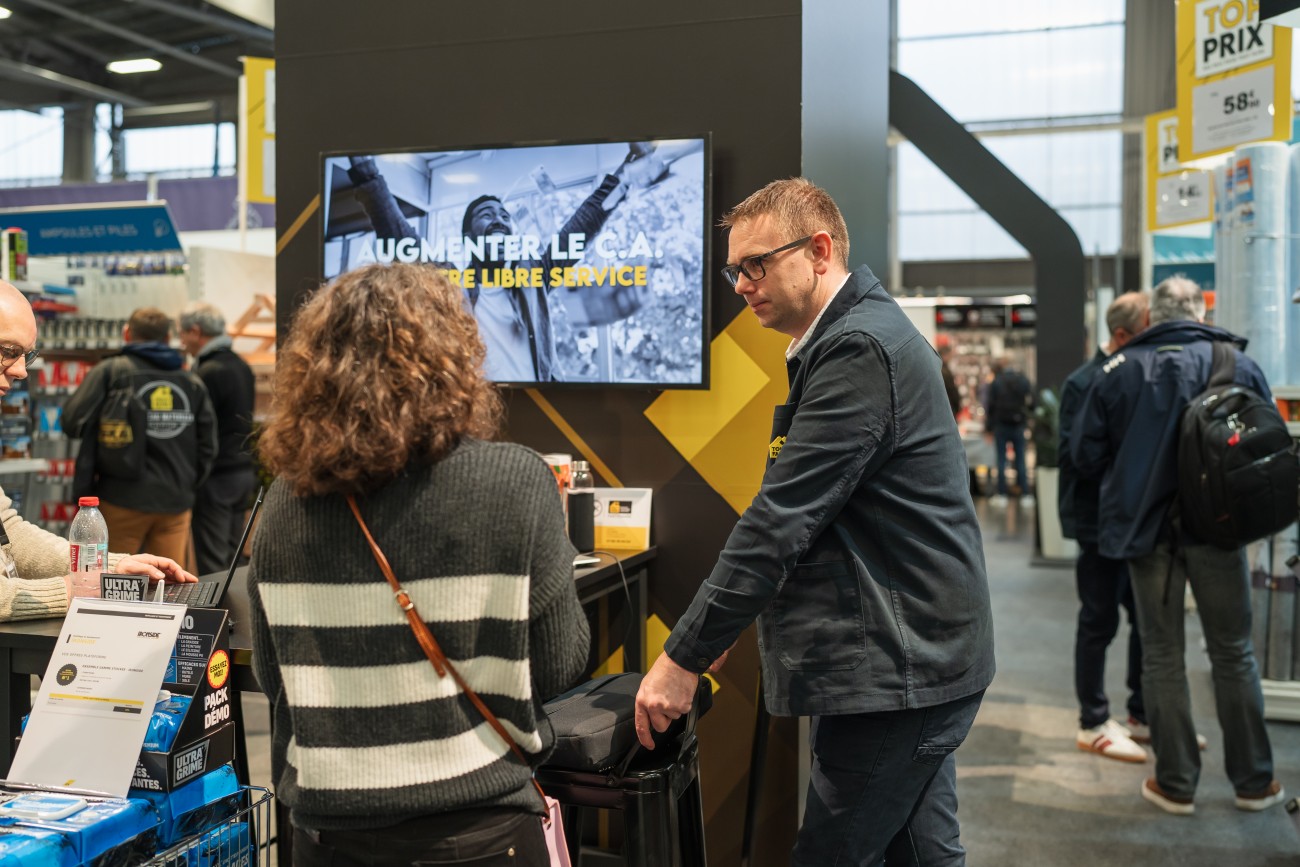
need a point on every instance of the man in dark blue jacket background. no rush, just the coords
(1102, 583)
(1127, 433)
(860, 557)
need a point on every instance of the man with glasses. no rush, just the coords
(860, 557)
(148, 508)
(44, 588)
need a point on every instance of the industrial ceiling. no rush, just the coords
(55, 52)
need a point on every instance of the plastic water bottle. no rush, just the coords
(582, 507)
(88, 537)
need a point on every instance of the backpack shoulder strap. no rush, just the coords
(122, 368)
(1223, 370)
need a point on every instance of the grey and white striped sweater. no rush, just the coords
(365, 733)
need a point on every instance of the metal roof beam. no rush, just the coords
(220, 22)
(16, 70)
(132, 36)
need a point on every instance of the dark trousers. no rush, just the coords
(218, 518)
(884, 788)
(1104, 587)
(484, 838)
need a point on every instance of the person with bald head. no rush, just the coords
(1102, 582)
(45, 588)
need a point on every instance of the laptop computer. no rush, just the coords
(211, 589)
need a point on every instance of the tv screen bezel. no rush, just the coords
(707, 253)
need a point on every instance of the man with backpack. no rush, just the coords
(1128, 434)
(146, 502)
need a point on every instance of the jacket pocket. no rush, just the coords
(817, 618)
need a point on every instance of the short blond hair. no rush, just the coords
(798, 207)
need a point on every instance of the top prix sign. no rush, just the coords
(1229, 35)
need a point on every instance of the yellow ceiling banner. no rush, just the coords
(1176, 195)
(1234, 77)
(257, 126)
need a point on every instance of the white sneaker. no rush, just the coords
(1111, 740)
(1274, 794)
(1178, 806)
(1141, 732)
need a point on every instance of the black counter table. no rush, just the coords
(26, 645)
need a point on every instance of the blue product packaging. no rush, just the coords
(195, 806)
(227, 846)
(35, 847)
(166, 720)
(126, 827)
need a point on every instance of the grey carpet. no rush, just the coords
(1028, 796)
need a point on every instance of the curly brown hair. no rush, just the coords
(382, 367)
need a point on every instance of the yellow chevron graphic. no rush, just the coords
(724, 432)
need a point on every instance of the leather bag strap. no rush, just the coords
(429, 644)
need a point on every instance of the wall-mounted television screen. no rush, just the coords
(583, 262)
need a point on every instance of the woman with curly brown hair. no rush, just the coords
(380, 396)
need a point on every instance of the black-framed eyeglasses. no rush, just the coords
(9, 355)
(752, 266)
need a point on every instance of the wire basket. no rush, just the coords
(242, 840)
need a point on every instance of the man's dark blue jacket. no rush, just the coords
(861, 555)
(1076, 500)
(1127, 430)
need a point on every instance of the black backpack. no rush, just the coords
(1010, 398)
(1238, 472)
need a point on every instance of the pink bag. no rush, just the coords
(553, 827)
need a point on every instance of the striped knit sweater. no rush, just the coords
(365, 733)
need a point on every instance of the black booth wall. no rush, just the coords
(416, 73)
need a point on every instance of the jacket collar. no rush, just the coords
(216, 344)
(1184, 331)
(861, 282)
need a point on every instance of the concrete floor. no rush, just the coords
(1030, 796)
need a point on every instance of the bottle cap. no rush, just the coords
(88, 501)
(581, 466)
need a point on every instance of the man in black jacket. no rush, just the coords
(221, 501)
(1102, 582)
(149, 510)
(860, 557)
(1010, 399)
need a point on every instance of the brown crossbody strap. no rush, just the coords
(441, 663)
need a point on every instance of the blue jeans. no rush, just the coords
(1104, 587)
(1219, 581)
(884, 788)
(1015, 435)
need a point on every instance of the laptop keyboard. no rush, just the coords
(201, 595)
